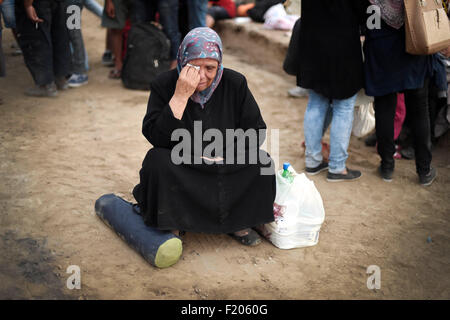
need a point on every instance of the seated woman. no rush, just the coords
(210, 192)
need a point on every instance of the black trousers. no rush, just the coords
(46, 48)
(416, 102)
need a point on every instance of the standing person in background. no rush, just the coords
(168, 16)
(220, 10)
(115, 14)
(325, 72)
(44, 39)
(388, 70)
(197, 10)
(7, 11)
(2, 57)
(79, 75)
(291, 64)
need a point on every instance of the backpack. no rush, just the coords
(148, 55)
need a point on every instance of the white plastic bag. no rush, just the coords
(298, 211)
(276, 18)
(364, 120)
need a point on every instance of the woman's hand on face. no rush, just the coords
(187, 83)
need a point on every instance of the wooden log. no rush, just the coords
(161, 249)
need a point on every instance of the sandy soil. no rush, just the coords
(57, 156)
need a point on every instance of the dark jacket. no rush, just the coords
(331, 61)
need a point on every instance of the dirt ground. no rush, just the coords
(58, 155)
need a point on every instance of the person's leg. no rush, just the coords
(433, 108)
(341, 129)
(80, 61)
(168, 15)
(8, 13)
(197, 13)
(94, 7)
(116, 44)
(416, 102)
(313, 124)
(385, 107)
(107, 58)
(60, 44)
(35, 42)
(116, 25)
(76, 40)
(2, 57)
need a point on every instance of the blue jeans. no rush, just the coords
(7, 11)
(80, 60)
(168, 14)
(2, 58)
(341, 128)
(197, 13)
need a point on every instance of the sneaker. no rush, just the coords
(386, 174)
(108, 59)
(313, 171)
(427, 179)
(16, 49)
(77, 80)
(48, 90)
(350, 176)
(298, 92)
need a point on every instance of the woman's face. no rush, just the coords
(208, 71)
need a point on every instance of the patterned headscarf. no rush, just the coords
(201, 43)
(392, 12)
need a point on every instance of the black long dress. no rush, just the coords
(210, 198)
(330, 60)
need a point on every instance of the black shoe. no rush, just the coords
(386, 174)
(427, 179)
(318, 169)
(350, 176)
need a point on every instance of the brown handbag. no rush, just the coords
(427, 27)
